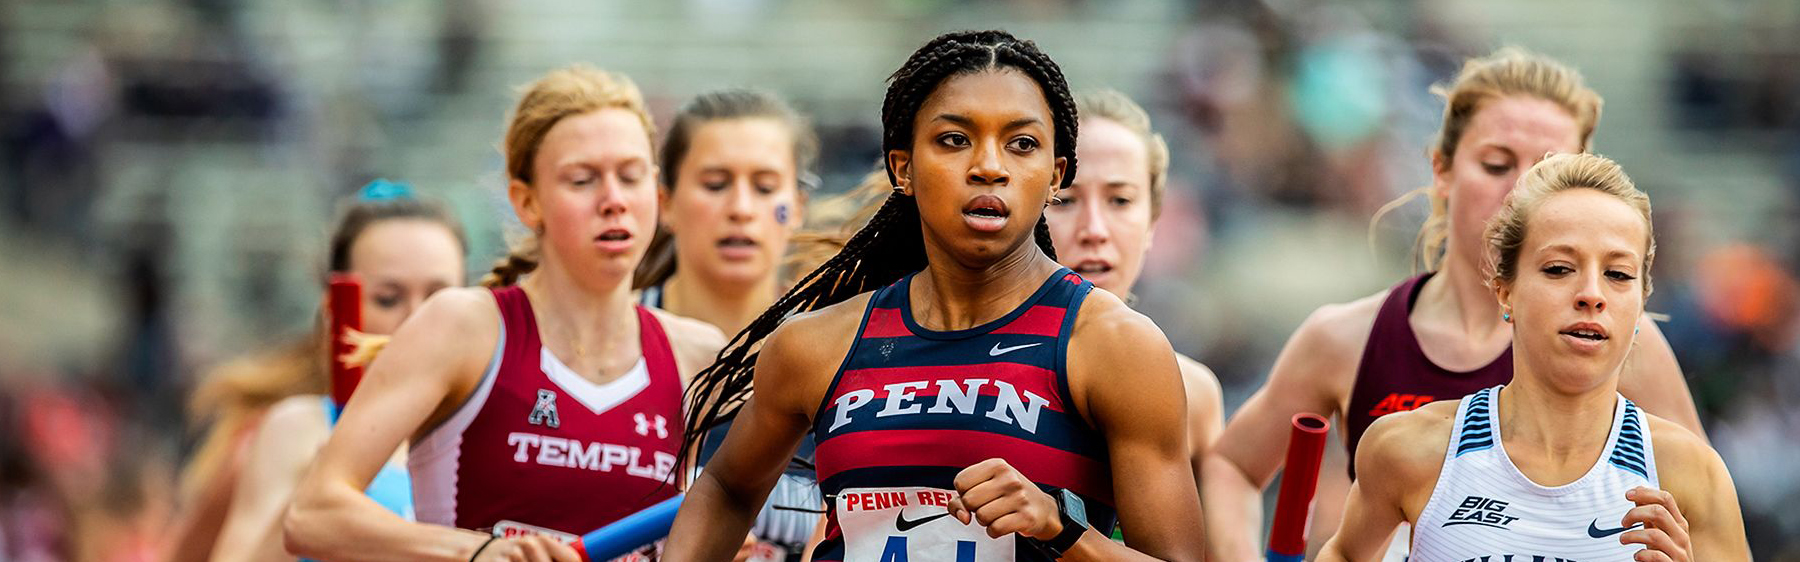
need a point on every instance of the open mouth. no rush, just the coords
(1092, 267)
(986, 207)
(985, 213)
(614, 235)
(1586, 331)
(737, 242)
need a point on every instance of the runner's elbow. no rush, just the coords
(1224, 474)
(296, 530)
(305, 524)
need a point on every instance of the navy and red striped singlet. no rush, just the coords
(911, 407)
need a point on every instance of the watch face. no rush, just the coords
(1073, 507)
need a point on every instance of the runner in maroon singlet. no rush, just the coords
(553, 403)
(1439, 335)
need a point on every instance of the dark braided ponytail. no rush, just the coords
(891, 245)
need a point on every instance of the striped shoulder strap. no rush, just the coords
(1477, 425)
(1628, 452)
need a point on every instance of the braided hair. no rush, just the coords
(891, 245)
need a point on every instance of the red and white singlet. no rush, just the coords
(538, 444)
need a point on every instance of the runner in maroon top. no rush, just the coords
(1396, 376)
(535, 420)
(551, 401)
(1504, 112)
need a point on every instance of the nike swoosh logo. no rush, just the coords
(998, 351)
(1598, 533)
(902, 525)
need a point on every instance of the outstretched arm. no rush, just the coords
(438, 353)
(1313, 370)
(285, 443)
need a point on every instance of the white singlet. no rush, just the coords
(1485, 510)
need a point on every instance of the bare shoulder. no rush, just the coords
(1318, 363)
(291, 432)
(819, 336)
(451, 337)
(1340, 329)
(694, 342)
(1105, 318)
(297, 418)
(803, 354)
(1685, 464)
(1119, 361)
(1407, 448)
(1199, 379)
(461, 310)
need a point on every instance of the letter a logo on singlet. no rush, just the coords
(544, 413)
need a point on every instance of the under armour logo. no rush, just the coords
(544, 413)
(644, 425)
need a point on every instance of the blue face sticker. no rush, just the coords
(781, 213)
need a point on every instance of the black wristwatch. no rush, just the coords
(1073, 513)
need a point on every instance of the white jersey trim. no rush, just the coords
(598, 397)
(434, 459)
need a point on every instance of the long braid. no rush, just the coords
(875, 256)
(891, 245)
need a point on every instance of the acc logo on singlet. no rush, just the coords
(912, 525)
(1398, 402)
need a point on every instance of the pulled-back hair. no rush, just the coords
(1509, 71)
(737, 103)
(1505, 233)
(1113, 105)
(563, 93)
(891, 245)
(362, 213)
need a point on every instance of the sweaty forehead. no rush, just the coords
(406, 250)
(749, 141)
(1528, 126)
(990, 97)
(597, 136)
(1588, 220)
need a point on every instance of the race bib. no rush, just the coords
(912, 524)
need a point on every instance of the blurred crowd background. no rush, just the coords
(168, 170)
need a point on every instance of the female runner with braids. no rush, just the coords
(1554, 464)
(981, 404)
(1103, 225)
(554, 401)
(1438, 335)
(732, 198)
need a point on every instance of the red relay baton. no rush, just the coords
(344, 312)
(1299, 480)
